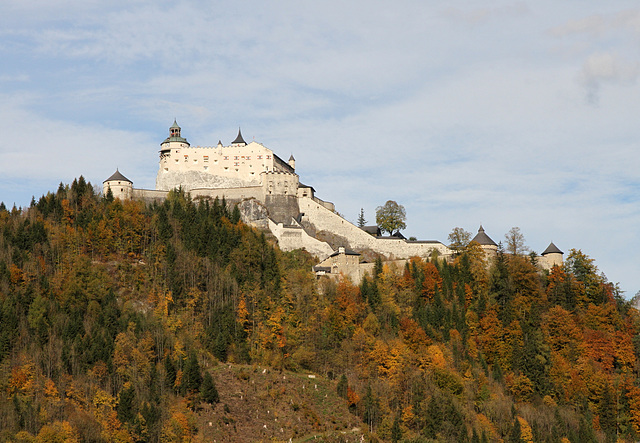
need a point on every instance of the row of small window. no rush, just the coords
(226, 157)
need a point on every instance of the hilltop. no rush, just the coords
(173, 320)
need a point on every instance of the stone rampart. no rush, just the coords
(323, 219)
(294, 237)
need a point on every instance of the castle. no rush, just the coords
(270, 196)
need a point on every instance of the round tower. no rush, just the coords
(121, 187)
(174, 141)
(488, 246)
(552, 256)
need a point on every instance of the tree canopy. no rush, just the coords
(391, 217)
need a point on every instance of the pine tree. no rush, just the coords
(343, 386)
(125, 408)
(192, 376)
(361, 220)
(208, 390)
(396, 432)
(169, 373)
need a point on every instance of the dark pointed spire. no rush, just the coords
(552, 249)
(483, 239)
(239, 140)
(117, 176)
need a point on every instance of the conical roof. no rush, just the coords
(117, 176)
(239, 139)
(483, 239)
(291, 158)
(174, 125)
(552, 249)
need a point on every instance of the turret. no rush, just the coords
(121, 187)
(292, 162)
(488, 246)
(175, 140)
(552, 256)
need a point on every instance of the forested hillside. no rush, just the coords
(128, 322)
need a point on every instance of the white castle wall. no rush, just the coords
(290, 238)
(324, 220)
(217, 167)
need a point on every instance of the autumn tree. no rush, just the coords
(391, 217)
(459, 239)
(515, 241)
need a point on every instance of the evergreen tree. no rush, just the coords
(396, 432)
(343, 386)
(192, 378)
(361, 220)
(515, 436)
(169, 374)
(125, 408)
(208, 390)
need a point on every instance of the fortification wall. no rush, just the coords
(290, 238)
(230, 193)
(149, 194)
(323, 219)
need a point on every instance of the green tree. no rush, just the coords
(391, 217)
(208, 390)
(343, 386)
(396, 432)
(192, 375)
(459, 239)
(361, 220)
(125, 408)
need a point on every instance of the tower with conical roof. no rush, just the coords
(489, 247)
(552, 256)
(292, 162)
(121, 187)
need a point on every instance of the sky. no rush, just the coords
(497, 113)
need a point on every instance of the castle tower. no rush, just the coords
(239, 141)
(174, 141)
(121, 187)
(489, 247)
(552, 256)
(292, 162)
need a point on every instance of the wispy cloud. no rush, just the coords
(467, 113)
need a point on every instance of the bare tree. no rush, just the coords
(515, 241)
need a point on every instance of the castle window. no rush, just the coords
(226, 157)
(248, 157)
(268, 157)
(259, 157)
(206, 168)
(235, 157)
(226, 168)
(176, 160)
(206, 158)
(236, 164)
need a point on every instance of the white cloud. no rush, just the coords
(466, 113)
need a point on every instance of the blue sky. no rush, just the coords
(496, 113)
